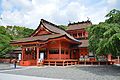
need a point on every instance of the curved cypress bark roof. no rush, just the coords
(56, 33)
(50, 27)
(79, 25)
(37, 38)
(54, 28)
(42, 38)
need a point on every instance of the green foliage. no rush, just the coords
(113, 16)
(104, 38)
(11, 33)
(63, 27)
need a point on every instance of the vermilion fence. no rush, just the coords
(116, 61)
(9, 61)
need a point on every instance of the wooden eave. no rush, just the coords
(75, 30)
(45, 41)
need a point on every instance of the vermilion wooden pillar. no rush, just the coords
(47, 53)
(77, 35)
(118, 59)
(23, 52)
(82, 34)
(37, 54)
(109, 57)
(69, 53)
(59, 50)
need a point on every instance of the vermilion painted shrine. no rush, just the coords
(51, 45)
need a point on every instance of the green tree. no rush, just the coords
(63, 27)
(11, 33)
(113, 16)
(104, 38)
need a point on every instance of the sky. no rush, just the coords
(28, 13)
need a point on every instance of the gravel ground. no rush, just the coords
(5, 66)
(72, 73)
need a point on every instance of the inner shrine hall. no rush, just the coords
(51, 45)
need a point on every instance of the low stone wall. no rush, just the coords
(5, 60)
(28, 63)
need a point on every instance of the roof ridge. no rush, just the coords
(82, 22)
(43, 20)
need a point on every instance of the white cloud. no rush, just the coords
(98, 15)
(29, 12)
(6, 5)
(75, 10)
(112, 2)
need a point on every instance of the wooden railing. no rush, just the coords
(96, 62)
(5, 60)
(75, 62)
(60, 62)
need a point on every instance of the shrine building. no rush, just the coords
(51, 45)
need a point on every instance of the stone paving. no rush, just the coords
(22, 77)
(71, 73)
(7, 66)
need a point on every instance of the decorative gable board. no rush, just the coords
(42, 31)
